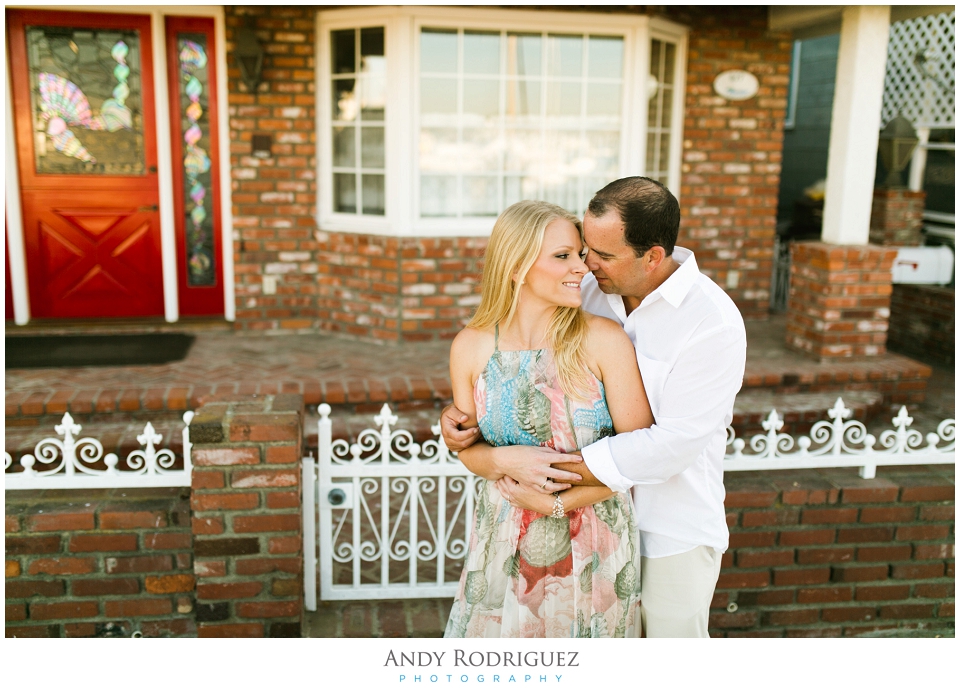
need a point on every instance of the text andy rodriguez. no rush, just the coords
(476, 658)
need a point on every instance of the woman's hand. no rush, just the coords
(524, 497)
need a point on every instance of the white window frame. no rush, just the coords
(402, 27)
(168, 241)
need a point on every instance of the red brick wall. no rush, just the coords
(408, 289)
(246, 504)
(824, 553)
(380, 287)
(94, 563)
(923, 321)
(732, 150)
(274, 199)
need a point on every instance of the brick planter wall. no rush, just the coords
(246, 503)
(897, 217)
(923, 322)
(825, 553)
(99, 563)
(839, 301)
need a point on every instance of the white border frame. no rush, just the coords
(402, 25)
(168, 250)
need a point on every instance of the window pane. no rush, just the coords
(651, 153)
(343, 49)
(438, 51)
(670, 56)
(481, 97)
(374, 195)
(554, 128)
(344, 146)
(439, 151)
(481, 53)
(522, 150)
(345, 193)
(371, 150)
(86, 100)
(344, 99)
(438, 196)
(438, 95)
(561, 190)
(480, 196)
(666, 109)
(371, 41)
(603, 100)
(480, 150)
(603, 153)
(563, 99)
(561, 150)
(605, 57)
(524, 54)
(516, 188)
(564, 56)
(373, 95)
(523, 99)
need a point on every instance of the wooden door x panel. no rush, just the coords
(93, 259)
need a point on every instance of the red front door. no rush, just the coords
(86, 147)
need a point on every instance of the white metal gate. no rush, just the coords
(394, 516)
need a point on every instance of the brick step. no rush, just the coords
(40, 405)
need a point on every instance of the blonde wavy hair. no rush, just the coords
(514, 246)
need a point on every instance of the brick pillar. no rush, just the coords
(839, 304)
(897, 217)
(246, 523)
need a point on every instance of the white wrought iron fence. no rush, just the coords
(394, 516)
(69, 462)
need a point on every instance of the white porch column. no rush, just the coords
(855, 125)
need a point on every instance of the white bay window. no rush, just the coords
(432, 120)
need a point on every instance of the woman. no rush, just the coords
(532, 368)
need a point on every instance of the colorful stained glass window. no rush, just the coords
(86, 100)
(197, 179)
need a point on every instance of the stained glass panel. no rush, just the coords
(197, 178)
(85, 93)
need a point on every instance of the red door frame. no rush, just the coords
(134, 190)
(196, 300)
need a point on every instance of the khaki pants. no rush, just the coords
(676, 592)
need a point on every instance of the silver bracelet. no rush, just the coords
(558, 511)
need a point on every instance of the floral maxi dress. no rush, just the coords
(533, 576)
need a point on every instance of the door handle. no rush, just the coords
(148, 208)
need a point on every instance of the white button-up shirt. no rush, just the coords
(691, 348)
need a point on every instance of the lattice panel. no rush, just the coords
(921, 70)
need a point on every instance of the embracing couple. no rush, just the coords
(591, 392)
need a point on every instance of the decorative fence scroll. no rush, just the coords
(75, 462)
(395, 516)
(841, 443)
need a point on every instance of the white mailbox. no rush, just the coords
(923, 265)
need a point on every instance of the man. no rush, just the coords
(691, 349)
